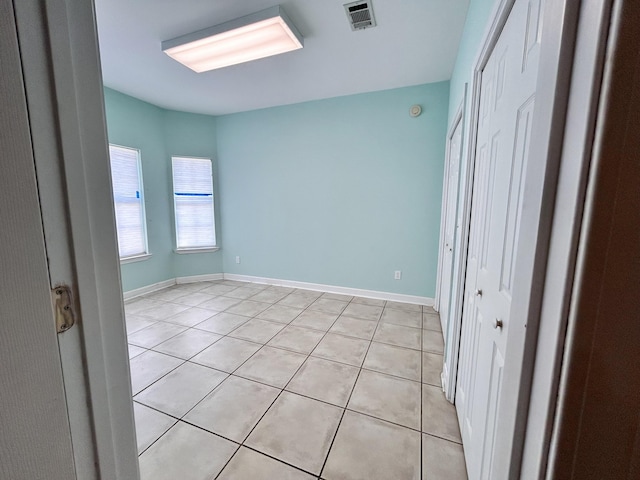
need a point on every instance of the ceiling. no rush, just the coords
(415, 42)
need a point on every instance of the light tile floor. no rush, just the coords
(236, 380)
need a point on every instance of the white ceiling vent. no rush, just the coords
(360, 15)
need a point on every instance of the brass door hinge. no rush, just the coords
(63, 308)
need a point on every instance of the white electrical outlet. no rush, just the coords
(397, 275)
(238, 259)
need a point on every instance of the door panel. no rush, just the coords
(507, 105)
(35, 442)
(451, 205)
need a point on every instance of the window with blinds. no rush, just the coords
(193, 203)
(126, 177)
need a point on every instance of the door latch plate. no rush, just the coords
(63, 308)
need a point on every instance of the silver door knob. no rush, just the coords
(497, 323)
(478, 293)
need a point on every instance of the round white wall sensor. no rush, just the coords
(415, 110)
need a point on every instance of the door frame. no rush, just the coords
(557, 64)
(457, 119)
(63, 83)
(470, 133)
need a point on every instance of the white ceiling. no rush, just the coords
(415, 42)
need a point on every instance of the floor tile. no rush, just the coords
(243, 292)
(297, 339)
(269, 296)
(431, 321)
(248, 308)
(190, 286)
(193, 299)
(429, 310)
(135, 323)
(186, 453)
(137, 305)
(280, 313)
(366, 448)
(218, 289)
(220, 304)
(233, 408)
(149, 367)
(308, 293)
(250, 465)
(338, 296)
(316, 320)
(297, 430)
(409, 307)
(432, 342)
(155, 334)
(150, 425)
(163, 310)
(397, 335)
(179, 391)
(369, 301)
(432, 368)
(235, 283)
(401, 317)
(342, 349)
(256, 330)
(167, 294)
(134, 351)
(296, 301)
(354, 327)
(438, 415)
(281, 289)
(442, 460)
(272, 366)
(327, 305)
(222, 323)
(398, 361)
(226, 354)
(324, 380)
(186, 344)
(365, 312)
(191, 317)
(388, 398)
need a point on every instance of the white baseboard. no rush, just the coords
(200, 278)
(396, 297)
(128, 295)
(358, 292)
(444, 376)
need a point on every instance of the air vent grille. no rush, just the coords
(360, 15)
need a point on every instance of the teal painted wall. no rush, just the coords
(159, 134)
(341, 192)
(475, 26)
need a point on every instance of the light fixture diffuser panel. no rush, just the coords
(263, 34)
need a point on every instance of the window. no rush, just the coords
(193, 203)
(126, 177)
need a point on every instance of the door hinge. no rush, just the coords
(63, 308)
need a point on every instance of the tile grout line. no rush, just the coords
(274, 400)
(309, 308)
(344, 411)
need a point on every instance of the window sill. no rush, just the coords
(135, 258)
(196, 250)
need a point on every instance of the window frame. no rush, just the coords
(136, 257)
(192, 249)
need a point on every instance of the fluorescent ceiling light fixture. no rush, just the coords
(262, 34)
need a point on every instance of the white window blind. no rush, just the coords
(193, 202)
(126, 177)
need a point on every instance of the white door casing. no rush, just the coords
(64, 94)
(449, 220)
(507, 99)
(35, 437)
